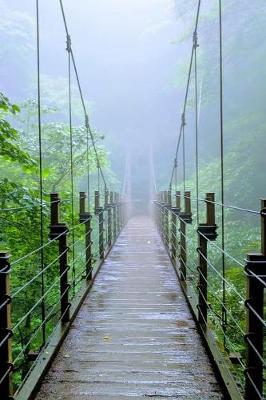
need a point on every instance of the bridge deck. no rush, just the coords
(134, 336)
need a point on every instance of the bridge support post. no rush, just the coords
(109, 218)
(85, 218)
(256, 283)
(173, 235)
(100, 212)
(158, 212)
(163, 217)
(206, 232)
(114, 217)
(123, 212)
(59, 231)
(6, 366)
(183, 250)
(111, 204)
(174, 213)
(185, 218)
(178, 200)
(166, 219)
(118, 213)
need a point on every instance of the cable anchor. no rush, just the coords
(87, 124)
(195, 39)
(68, 43)
(183, 120)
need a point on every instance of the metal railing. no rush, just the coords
(30, 337)
(233, 332)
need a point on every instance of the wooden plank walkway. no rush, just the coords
(134, 336)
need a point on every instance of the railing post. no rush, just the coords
(178, 200)
(206, 232)
(6, 366)
(118, 213)
(123, 212)
(109, 218)
(174, 213)
(59, 231)
(99, 212)
(183, 250)
(256, 282)
(173, 235)
(156, 206)
(185, 218)
(168, 219)
(165, 219)
(160, 213)
(114, 217)
(106, 198)
(96, 200)
(85, 218)
(162, 217)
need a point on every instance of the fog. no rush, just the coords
(133, 58)
(144, 66)
(127, 56)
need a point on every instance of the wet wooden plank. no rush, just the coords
(134, 336)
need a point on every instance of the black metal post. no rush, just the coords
(206, 232)
(6, 366)
(178, 200)
(185, 218)
(85, 218)
(109, 220)
(183, 250)
(166, 219)
(100, 212)
(174, 241)
(101, 234)
(114, 217)
(59, 231)
(173, 236)
(255, 268)
(118, 213)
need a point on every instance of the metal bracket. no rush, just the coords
(83, 217)
(58, 230)
(210, 231)
(186, 217)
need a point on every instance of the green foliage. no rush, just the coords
(21, 208)
(9, 146)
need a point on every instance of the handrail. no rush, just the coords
(184, 239)
(62, 287)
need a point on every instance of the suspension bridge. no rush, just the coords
(131, 306)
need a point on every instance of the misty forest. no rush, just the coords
(132, 127)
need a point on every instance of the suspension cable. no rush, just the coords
(184, 151)
(222, 156)
(68, 49)
(40, 171)
(186, 92)
(88, 127)
(196, 45)
(88, 160)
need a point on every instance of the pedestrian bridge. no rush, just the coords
(107, 304)
(134, 336)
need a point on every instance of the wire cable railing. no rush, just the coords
(204, 282)
(61, 288)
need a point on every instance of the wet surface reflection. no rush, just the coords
(134, 336)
